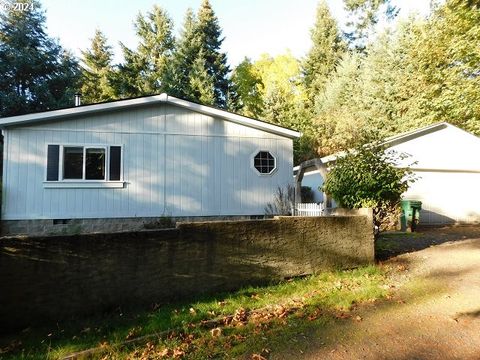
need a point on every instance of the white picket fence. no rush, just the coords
(309, 209)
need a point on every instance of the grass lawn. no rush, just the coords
(250, 322)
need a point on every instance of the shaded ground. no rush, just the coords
(395, 243)
(435, 313)
(422, 301)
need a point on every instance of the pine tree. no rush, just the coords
(97, 71)
(443, 78)
(37, 74)
(323, 57)
(144, 71)
(338, 122)
(186, 51)
(198, 60)
(364, 15)
(210, 33)
(201, 83)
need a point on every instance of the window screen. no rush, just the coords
(264, 162)
(83, 162)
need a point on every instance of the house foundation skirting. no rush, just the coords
(45, 227)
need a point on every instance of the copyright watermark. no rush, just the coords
(16, 6)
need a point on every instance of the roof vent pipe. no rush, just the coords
(77, 99)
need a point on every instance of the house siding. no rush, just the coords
(175, 163)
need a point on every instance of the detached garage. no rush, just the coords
(447, 167)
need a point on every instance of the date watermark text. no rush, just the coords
(16, 6)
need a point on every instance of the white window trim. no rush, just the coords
(91, 184)
(252, 162)
(84, 183)
(84, 147)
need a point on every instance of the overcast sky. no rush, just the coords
(250, 27)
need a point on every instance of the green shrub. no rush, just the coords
(367, 177)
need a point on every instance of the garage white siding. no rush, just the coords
(176, 162)
(447, 166)
(446, 163)
(447, 197)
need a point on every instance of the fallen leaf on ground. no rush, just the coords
(240, 316)
(342, 315)
(258, 357)
(164, 352)
(315, 315)
(216, 332)
(178, 353)
(239, 337)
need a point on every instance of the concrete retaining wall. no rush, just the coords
(44, 279)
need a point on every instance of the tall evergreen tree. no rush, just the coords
(145, 69)
(201, 82)
(363, 16)
(37, 74)
(97, 71)
(198, 60)
(424, 71)
(327, 49)
(338, 122)
(210, 35)
(443, 61)
(187, 49)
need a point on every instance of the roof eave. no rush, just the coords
(79, 110)
(117, 105)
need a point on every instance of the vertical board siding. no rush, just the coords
(175, 163)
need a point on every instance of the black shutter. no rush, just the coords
(115, 161)
(52, 162)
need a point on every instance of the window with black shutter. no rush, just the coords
(84, 163)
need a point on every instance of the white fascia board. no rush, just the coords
(121, 104)
(239, 119)
(397, 139)
(79, 110)
(409, 135)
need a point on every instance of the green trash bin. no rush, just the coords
(410, 214)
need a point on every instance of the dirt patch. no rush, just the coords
(435, 313)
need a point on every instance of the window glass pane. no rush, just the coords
(95, 164)
(72, 162)
(264, 162)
